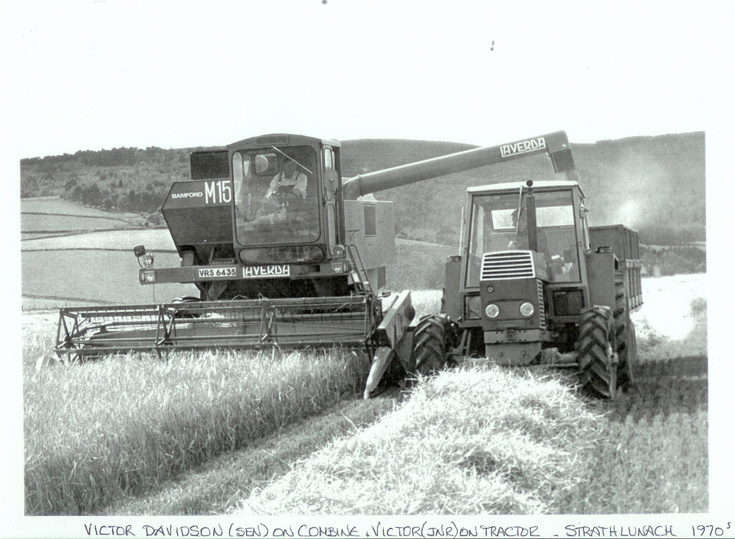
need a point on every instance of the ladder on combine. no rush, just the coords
(359, 275)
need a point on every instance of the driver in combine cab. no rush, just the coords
(289, 179)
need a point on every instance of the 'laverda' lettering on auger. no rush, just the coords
(266, 271)
(524, 146)
(188, 195)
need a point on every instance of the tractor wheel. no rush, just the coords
(597, 368)
(434, 337)
(622, 337)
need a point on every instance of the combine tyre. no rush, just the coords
(434, 337)
(598, 364)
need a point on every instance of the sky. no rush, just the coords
(101, 74)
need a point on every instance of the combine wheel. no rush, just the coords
(434, 337)
(597, 366)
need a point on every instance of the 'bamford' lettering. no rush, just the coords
(524, 146)
(187, 195)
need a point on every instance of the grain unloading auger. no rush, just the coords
(287, 254)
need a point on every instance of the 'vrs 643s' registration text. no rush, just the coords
(210, 273)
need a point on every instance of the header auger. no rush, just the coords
(287, 253)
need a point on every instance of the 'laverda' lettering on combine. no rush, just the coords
(196, 194)
(522, 147)
(266, 271)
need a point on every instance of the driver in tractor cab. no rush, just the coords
(520, 241)
(558, 264)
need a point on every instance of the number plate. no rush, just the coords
(214, 273)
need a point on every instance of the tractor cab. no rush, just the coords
(522, 275)
(512, 217)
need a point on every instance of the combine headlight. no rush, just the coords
(145, 260)
(340, 266)
(492, 310)
(527, 309)
(147, 276)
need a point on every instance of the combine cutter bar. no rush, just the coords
(287, 323)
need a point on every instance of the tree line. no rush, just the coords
(122, 179)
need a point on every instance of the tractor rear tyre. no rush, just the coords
(433, 340)
(598, 369)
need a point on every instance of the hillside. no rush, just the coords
(654, 184)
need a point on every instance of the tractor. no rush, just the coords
(286, 253)
(535, 284)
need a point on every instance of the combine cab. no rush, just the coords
(286, 253)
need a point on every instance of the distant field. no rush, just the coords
(60, 206)
(35, 226)
(153, 239)
(73, 255)
(52, 216)
(54, 278)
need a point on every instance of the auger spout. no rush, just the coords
(555, 144)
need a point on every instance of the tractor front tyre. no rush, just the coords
(433, 338)
(598, 368)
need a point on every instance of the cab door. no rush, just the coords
(331, 184)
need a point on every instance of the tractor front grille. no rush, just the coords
(508, 265)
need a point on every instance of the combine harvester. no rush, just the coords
(287, 254)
